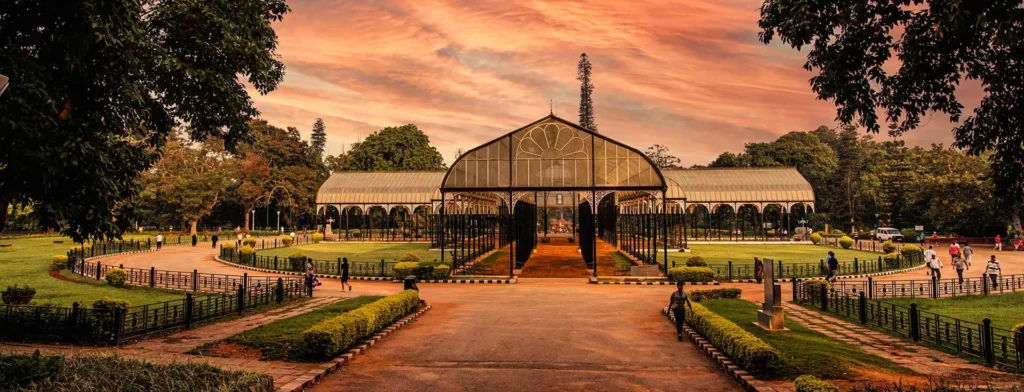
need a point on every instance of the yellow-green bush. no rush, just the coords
(287, 240)
(117, 277)
(59, 263)
(815, 238)
(696, 261)
(888, 246)
(809, 383)
(355, 233)
(247, 250)
(297, 260)
(891, 259)
(701, 295)
(911, 252)
(331, 337)
(846, 242)
(249, 242)
(111, 303)
(752, 354)
(441, 271)
(409, 257)
(228, 246)
(814, 287)
(405, 268)
(691, 274)
(317, 237)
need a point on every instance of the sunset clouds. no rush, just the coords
(687, 74)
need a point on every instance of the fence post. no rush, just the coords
(195, 280)
(984, 286)
(871, 287)
(152, 276)
(935, 287)
(794, 290)
(241, 299)
(863, 308)
(987, 342)
(915, 322)
(118, 325)
(382, 274)
(98, 265)
(823, 296)
(821, 266)
(275, 262)
(880, 265)
(778, 274)
(1018, 344)
(104, 248)
(188, 310)
(280, 290)
(730, 268)
(339, 266)
(856, 266)
(72, 322)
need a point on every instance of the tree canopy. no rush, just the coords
(661, 157)
(188, 181)
(97, 87)
(404, 148)
(586, 93)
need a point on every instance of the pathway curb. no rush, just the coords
(735, 371)
(313, 377)
(654, 283)
(368, 278)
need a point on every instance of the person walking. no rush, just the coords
(959, 264)
(213, 239)
(159, 241)
(993, 271)
(344, 274)
(967, 253)
(935, 238)
(999, 243)
(832, 263)
(920, 238)
(238, 241)
(936, 266)
(928, 256)
(954, 251)
(676, 304)
(195, 240)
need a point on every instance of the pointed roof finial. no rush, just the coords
(551, 107)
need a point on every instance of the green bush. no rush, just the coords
(691, 274)
(35, 372)
(228, 246)
(331, 337)
(701, 295)
(846, 242)
(251, 242)
(405, 268)
(911, 252)
(809, 383)
(409, 257)
(59, 263)
(891, 260)
(696, 261)
(317, 237)
(117, 277)
(287, 240)
(424, 269)
(297, 260)
(247, 250)
(109, 303)
(908, 234)
(815, 238)
(752, 354)
(355, 233)
(17, 295)
(888, 247)
(815, 286)
(441, 272)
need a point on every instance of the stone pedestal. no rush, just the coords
(770, 317)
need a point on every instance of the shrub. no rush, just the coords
(815, 286)
(891, 260)
(287, 240)
(424, 269)
(59, 263)
(691, 274)
(250, 242)
(908, 234)
(911, 252)
(297, 260)
(441, 271)
(404, 268)
(331, 337)
(809, 383)
(888, 246)
(751, 353)
(17, 295)
(696, 261)
(846, 242)
(317, 237)
(228, 246)
(247, 250)
(117, 277)
(815, 238)
(409, 257)
(701, 295)
(109, 303)
(355, 233)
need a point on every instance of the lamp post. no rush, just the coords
(278, 221)
(252, 220)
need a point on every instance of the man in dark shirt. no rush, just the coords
(676, 304)
(833, 267)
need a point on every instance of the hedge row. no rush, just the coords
(701, 295)
(752, 354)
(331, 337)
(20, 372)
(809, 383)
(691, 274)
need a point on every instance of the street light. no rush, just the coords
(3, 84)
(252, 220)
(278, 221)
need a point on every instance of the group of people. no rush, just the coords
(195, 240)
(311, 280)
(961, 258)
(1018, 243)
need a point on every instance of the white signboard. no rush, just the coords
(919, 227)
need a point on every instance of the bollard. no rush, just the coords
(195, 280)
(987, 342)
(935, 287)
(794, 289)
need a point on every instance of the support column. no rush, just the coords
(442, 227)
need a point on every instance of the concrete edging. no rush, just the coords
(650, 283)
(368, 278)
(314, 376)
(737, 373)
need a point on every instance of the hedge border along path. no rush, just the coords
(313, 377)
(650, 283)
(746, 380)
(371, 278)
(841, 277)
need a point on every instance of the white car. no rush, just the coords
(888, 233)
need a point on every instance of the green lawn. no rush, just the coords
(274, 340)
(745, 253)
(357, 251)
(493, 258)
(28, 260)
(804, 351)
(621, 261)
(1005, 310)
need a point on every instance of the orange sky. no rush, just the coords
(687, 74)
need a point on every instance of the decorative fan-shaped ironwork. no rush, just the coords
(552, 141)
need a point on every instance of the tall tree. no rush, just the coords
(295, 175)
(662, 157)
(938, 44)
(403, 148)
(188, 181)
(337, 163)
(318, 138)
(586, 92)
(98, 85)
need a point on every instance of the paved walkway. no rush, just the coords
(559, 259)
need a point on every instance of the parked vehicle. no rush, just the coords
(888, 233)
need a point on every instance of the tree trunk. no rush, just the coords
(194, 223)
(245, 226)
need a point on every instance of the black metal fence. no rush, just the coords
(980, 340)
(380, 268)
(933, 287)
(782, 269)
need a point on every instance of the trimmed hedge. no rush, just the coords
(228, 246)
(911, 251)
(111, 303)
(405, 268)
(246, 250)
(752, 354)
(248, 242)
(696, 261)
(331, 337)
(815, 238)
(355, 233)
(59, 263)
(809, 383)
(117, 277)
(21, 372)
(287, 240)
(297, 260)
(441, 271)
(888, 247)
(891, 259)
(17, 295)
(701, 295)
(908, 234)
(846, 242)
(409, 257)
(317, 237)
(691, 274)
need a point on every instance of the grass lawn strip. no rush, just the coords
(721, 254)
(803, 350)
(357, 251)
(27, 262)
(1005, 310)
(274, 340)
(621, 261)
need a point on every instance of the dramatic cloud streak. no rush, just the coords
(690, 75)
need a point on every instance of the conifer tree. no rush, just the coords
(586, 90)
